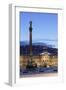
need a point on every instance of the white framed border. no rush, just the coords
(14, 45)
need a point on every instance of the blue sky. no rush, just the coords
(45, 27)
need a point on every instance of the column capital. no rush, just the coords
(30, 27)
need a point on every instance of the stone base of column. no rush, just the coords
(30, 66)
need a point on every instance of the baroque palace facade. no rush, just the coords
(43, 60)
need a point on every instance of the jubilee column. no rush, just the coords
(30, 40)
(31, 64)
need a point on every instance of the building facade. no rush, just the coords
(43, 60)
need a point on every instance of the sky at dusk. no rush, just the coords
(45, 27)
